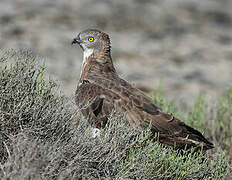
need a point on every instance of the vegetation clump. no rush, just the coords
(42, 135)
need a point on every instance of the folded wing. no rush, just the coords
(99, 97)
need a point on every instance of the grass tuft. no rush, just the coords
(42, 135)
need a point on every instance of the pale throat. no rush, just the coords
(86, 54)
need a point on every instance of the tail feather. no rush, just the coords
(198, 137)
(188, 138)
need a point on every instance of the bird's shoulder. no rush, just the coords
(90, 91)
(117, 89)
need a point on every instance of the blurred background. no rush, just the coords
(185, 45)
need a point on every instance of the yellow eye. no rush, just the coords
(91, 39)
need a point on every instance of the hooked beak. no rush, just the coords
(76, 41)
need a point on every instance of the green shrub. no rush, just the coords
(42, 136)
(198, 116)
(223, 126)
(28, 103)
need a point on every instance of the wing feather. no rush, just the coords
(95, 103)
(104, 95)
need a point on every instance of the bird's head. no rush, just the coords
(93, 41)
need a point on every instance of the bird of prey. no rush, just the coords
(100, 91)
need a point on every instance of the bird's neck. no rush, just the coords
(97, 63)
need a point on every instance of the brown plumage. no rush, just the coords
(101, 90)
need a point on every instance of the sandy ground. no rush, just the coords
(186, 45)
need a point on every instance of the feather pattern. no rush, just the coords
(101, 91)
